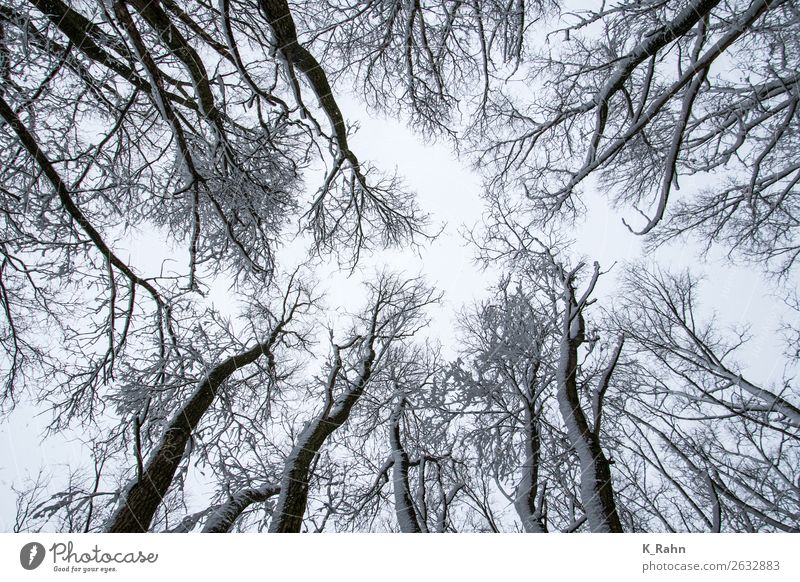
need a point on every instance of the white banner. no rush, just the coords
(355, 557)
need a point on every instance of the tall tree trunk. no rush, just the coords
(528, 507)
(403, 504)
(142, 498)
(292, 501)
(597, 495)
(291, 504)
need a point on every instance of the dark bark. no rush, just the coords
(90, 39)
(526, 503)
(280, 20)
(181, 48)
(292, 501)
(65, 197)
(142, 499)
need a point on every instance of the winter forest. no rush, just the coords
(181, 181)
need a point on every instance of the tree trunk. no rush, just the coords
(597, 494)
(403, 504)
(142, 498)
(525, 501)
(291, 504)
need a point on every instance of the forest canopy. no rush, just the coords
(572, 396)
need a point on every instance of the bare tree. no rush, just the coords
(394, 313)
(581, 376)
(722, 446)
(505, 376)
(640, 94)
(422, 442)
(423, 58)
(156, 474)
(139, 117)
(660, 312)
